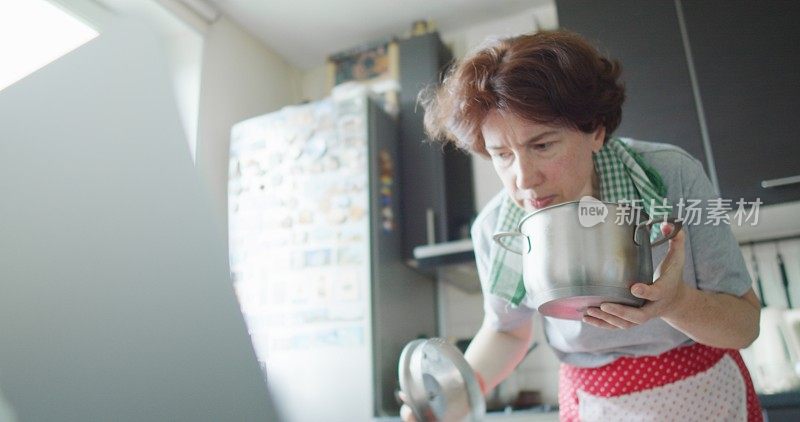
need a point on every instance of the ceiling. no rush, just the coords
(306, 32)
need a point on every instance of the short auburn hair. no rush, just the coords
(549, 77)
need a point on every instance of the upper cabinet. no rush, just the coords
(437, 199)
(744, 57)
(747, 58)
(644, 37)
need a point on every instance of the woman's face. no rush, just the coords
(541, 165)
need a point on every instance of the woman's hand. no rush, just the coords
(664, 296)
(406, 414)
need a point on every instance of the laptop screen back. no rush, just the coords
(115, 294)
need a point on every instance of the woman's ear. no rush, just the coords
(598, 138)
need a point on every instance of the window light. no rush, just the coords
(34, 33)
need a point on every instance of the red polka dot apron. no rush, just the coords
(691, 383)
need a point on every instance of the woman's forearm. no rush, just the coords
(494, 354)
(717, 319)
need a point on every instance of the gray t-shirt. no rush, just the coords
(713, 263)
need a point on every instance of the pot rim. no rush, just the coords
(563, 204)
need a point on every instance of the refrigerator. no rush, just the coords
(315, 255)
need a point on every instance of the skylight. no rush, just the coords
(33, 33)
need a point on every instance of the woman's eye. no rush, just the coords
(503, 156)
(543, 146)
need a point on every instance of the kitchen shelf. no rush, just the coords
(441, 254)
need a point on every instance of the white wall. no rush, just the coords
(314, 83)
(185, 49)
(240, 78)
(463, 40)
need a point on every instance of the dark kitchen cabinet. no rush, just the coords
(644, 37)
(747, 59)
(745, 56)
(436, 191)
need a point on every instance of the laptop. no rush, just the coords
(115, 295)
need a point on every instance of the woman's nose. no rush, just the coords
(527, 175)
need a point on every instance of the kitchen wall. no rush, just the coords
(240, 78)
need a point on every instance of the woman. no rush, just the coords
(542, 108)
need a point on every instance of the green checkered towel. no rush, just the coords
(624, 177)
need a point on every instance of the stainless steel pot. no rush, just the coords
(568, 267)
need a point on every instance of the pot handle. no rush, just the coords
(498, 236)
(676, 224)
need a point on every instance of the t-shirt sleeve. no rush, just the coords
(498, 313)
(718, 261)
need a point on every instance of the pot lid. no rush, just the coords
(439, 383)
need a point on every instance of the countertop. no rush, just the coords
(523, 415)
(789, 399)
(518, 415)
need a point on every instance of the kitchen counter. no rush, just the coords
(518, 415)
(523, 415)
